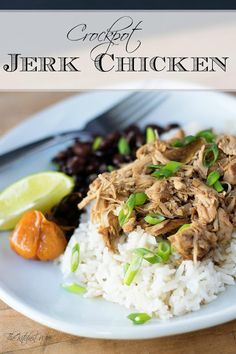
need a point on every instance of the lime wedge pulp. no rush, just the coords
(40, 191)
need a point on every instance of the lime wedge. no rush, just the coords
(40, 191)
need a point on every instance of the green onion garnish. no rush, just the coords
(165, 171)
(97, 143)
(164, 250)
(218, 187)
(154, 219)
(75, 257)
(173, 166)
(126, 266)
(127, 210)
(148, 255)
(110, 168)
(184, 227)
(213, 181)
(150, 135)
(212, 178)
(207, 134)
(140, 198)
(162, 173)
(74, 288)
(184, 142)
(155, 167)
(123, 146)
(134, 200)
(133, 269)
(142, 251)
(139, 318)
(210, 155)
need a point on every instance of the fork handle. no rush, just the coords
(41, 144)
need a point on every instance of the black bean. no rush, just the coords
(65, 170)
(133, 155)
(82, 149)
(102, 168)
(140, 140)
(114, 136)
(75, 165)
(118, 159)
(110, 142)
(70, 151)
(132, 128)
(98, 153)
(172, 126)
(92, 167)
(128, 158)
(92, 177)
(62, 155)
(131, 136)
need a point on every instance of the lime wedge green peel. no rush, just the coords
(40, 191)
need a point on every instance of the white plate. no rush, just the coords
(33, 288)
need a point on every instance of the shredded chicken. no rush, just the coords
(230, 172)
(182, 198)
(227, 143)
(183, 241)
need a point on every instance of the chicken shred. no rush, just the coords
(183, 198)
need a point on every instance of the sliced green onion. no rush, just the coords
(164, 250)
(133, 269)
(189, 139)
(212, 178)
(207, 134)
(218, 187)
(139, 318)
(97, 143)
(123, 146)
(75, 257)
(150, 135)
(184, 142)
(154, 219)
(127, 210)
(184, 227)
(142, 251)
(210, 155)
(177, 143)
(166, 170)
(140, 198)
(148, 255)
(153, 258)
(124, 215)
(154, 167)
(134, 200)
(173, 166)
(74, 288)
(110, 168)
(213, 181)
(162, 173)
(126, 266)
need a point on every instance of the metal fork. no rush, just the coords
(129, 111)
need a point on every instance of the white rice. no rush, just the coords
(161, 290)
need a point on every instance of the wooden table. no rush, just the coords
(19, 334)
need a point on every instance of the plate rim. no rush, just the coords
(148, 331)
